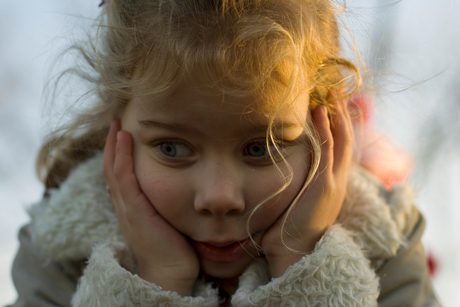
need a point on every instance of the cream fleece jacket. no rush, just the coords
(78, 222)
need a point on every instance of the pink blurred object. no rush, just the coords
(360, 107)
(432, 264)
(375, 152)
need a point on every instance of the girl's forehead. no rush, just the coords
(226, 116)
(186, 100)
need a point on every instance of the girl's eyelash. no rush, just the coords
(173, 150)
(255, 151)
(262, 152)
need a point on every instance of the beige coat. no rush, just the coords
(73, 254)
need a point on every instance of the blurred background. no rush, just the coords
(413, 48)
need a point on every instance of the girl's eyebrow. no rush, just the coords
(177, 127)
(276, 127)
(174, 127)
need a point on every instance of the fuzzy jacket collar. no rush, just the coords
(79, 215)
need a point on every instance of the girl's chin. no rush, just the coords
(227, 270)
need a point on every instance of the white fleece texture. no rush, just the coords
(76, 216)
(335, 274)
(106, 283)
(79, 216)
(376, 224)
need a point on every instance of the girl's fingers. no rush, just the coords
(327, 142)
(128, 186)
(336, 140)
(109, 151)
(342, 133)
(118, 162)
(123, 166)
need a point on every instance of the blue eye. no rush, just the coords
(175, 150)
(258, 152)
(259, 149)
(256, 149)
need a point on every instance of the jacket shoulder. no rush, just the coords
(39, 281)
(404, 278)
(391, 231)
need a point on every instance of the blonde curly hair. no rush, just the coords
(269, 49)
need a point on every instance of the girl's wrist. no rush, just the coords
(278, 265)
(279, 262)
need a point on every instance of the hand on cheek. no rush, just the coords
(319, 206)
(164, 255)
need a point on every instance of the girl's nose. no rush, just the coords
(219, 192)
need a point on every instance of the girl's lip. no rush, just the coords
(221, 252)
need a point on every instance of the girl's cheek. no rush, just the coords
(269, 183)
(166, 191)
(262, 186)
(269, 180)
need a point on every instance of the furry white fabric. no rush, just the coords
(368, 215)
(77, 216)
(78, 222)
(335, 274)
(106, 283)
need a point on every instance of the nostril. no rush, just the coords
(219, 208)
(219, 195)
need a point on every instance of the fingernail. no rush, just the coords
(323, 110)
(114, 124)
(118, 135)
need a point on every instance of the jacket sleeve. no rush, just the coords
(404, 279)
(336, 274)
(39, 281)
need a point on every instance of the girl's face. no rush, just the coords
(204, 165)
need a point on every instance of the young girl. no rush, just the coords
(215, 170)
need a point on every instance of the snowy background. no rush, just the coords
(413, 45)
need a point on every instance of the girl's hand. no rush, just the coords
(164, 255)
(320, 205)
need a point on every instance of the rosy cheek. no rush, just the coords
(166, 192)
(151, 175)
(265, 185)
(158, 189)
(258, 188)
